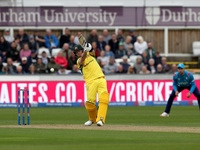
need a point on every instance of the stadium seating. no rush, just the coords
(55, 51)
(44, 49)
(196, 48)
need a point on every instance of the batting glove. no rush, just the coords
(87, 47)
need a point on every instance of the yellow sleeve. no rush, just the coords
(78, 65)
(91, 53)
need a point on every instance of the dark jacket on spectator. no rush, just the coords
(25, 67)
(13, 53)
(4, 46)
(113, 46)
(157, 60)
(12, 69)
(64, 39)
(42, 68)
(92, 38)
(25, 39)
(101, 46)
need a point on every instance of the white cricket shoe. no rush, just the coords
(88, 123)
(164, 114)
(100, 123)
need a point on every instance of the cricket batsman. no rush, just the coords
(181, 80)
(95, 83)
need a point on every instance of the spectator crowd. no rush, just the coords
(115, 53)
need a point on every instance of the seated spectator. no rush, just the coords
(40, 66)
(71, 43)
(103, 58)
(93, 37)
(50, 40)
(139, 64)
(32, 43)
(75, 70)
(125, 63)
(19, 70)
(11, 68)
(108, 53)
(25, 64)
(120, 69)
(157, 58)
(13, 53)
(23, 37)
(25, 52)
(159, 69)
(132, 34)
(121, 51)
(64, 38)
(95, 48)
(128, 46)
(140, 45)
(17, 42)
(131, 70)
(66, 51)
(151, 67)
(144, 70)
(76, 38)
(45, 59)
(62, 70)
(114, 43)
(101, 44)
(106, 36)
(71, 61)
(145, 58)
(32, 70)
(4, 46)
(33, 56)
(7, 35)
(173, 69)
(166, 67)
(150, 51)
(110, 67)
(120, 36)
(61, 60)
(39, 40)
(52, 67)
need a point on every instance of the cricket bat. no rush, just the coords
(82, 40)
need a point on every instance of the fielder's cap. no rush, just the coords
(77, 48)
(131, 31)
(181, 65)
(121, 43)
(24, 58)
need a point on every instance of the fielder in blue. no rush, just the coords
(181, 80)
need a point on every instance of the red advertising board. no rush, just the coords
(74, 91)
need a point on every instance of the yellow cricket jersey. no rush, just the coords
(90, 68)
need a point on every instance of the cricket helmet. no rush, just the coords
(77, 48)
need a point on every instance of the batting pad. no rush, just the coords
(92, 111)
(103, 106)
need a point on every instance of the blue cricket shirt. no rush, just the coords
(184, 81)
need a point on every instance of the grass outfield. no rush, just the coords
(50, 139)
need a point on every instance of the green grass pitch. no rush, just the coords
(74, 139)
